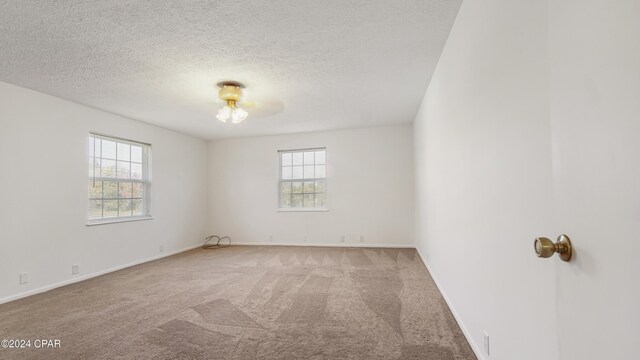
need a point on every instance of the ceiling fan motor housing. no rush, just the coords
(230, 91)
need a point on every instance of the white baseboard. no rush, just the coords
(476, 349)
(356, 245)
(92, 275)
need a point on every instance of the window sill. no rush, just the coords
(118, 220)
(302, 210)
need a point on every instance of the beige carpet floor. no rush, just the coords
(246, 302)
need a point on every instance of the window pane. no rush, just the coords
(296, 187)
(124, 190)
(297, 172)
(286, 173)
(95, 189)
(308, 158)
(136, 171)
(94, 145)
(296, 200)
(308, 200)
(124, 152)
(98, 148)
(124, 170)
(308, 172)
(117, 194)
(136, 190)
(124, 208)
(320, 157)
(285, 187)
(136, 208)
(110, 190)
(286, 159)
(95, 209)
(136, 153)
(94, 166)
(298, 169)
(109, 168)
(320, 200)
(309, 187)
(108, 149)
(285, 200)
(297, 158)
(91, 144)
(110, 208)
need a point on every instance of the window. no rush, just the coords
(118, 179)
(303, 179)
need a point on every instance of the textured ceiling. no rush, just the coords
(310, 65)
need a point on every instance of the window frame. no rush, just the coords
(145, 179)
(281, 180)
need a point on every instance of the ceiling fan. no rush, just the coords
(230, 94)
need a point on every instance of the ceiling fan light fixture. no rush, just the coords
(230, 93)
(238, 115)
(224, 114)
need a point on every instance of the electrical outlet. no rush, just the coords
(75, 269)
(486, 344)
(342, 238)
(306, 238)
(361, 238)
(24, 278)
(270, 237)
(161, 248)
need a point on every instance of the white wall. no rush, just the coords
(483, 178)
(369, 189)
(43, 198)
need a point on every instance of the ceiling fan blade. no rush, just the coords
(262, 109)
(248, 104)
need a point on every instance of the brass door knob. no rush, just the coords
(546, 248)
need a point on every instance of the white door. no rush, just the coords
(595, 120)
